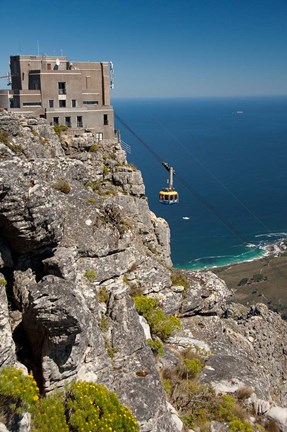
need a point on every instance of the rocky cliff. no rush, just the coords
(77, 241)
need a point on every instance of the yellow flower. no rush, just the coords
(35, 398)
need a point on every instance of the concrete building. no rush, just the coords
(75, 94)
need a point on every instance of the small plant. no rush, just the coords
(91, 275)
(93, 148)
(103, 295)
(19, 392)
(100, 188)
(193, 366)
(126, 280)
(157, 346)
(240, 426)
(59, 129)
(106, 170)
(161, 325)
(3, 281)
(62, 186)
(4, 137)
(92, 407)
(244, 393)
(91, 200)
(178, 279)
(104, 323)
(166, 386)
(50, 408)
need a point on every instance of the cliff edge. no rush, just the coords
(77, 243)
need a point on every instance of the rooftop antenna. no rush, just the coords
(38, 48)
(111, 75)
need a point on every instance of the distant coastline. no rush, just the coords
(255, 253)
(262, 280)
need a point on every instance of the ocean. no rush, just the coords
(229, 155)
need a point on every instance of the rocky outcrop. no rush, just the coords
(75, 223)
(77, 240)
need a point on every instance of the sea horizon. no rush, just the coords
(229, 154)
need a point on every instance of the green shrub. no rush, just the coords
(104, 323)
(240, 426)
(166, 386)
(19, 392)
(160, 324)
(179, 279)
(91, 275)
(156, 346)
(91, 200)
(193, 366)
(93, 148)
(83, 407)
(92, 407)
(103, 294)
(145, 305)
(100, 188)
(4, 138)
(60, 128)
(50, 411)
(3, 281)
(106, 170)
(62, 185)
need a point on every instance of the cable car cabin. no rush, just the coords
(168, 197)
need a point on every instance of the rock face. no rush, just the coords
(77, 239)
(76, 224)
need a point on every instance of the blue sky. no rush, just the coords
(160, 48)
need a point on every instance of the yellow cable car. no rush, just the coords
(168, 195)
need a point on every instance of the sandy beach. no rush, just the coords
(263, 280)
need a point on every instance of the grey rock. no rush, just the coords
(207, 294)
(60, 328)
(9, 123)
(7, 346)
(136, 373)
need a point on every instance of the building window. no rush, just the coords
(51, 103)
(62, 104)
(74, 103)
(87, 81)
(49, 66)
(106, 120)
(92, 102)
(68, 121)
(23, 76)
(61, 87)
(79, 121)
(55, 120)
(31, 104)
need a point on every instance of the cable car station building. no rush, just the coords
(75, 94)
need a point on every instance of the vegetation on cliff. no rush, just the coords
(81, 407)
